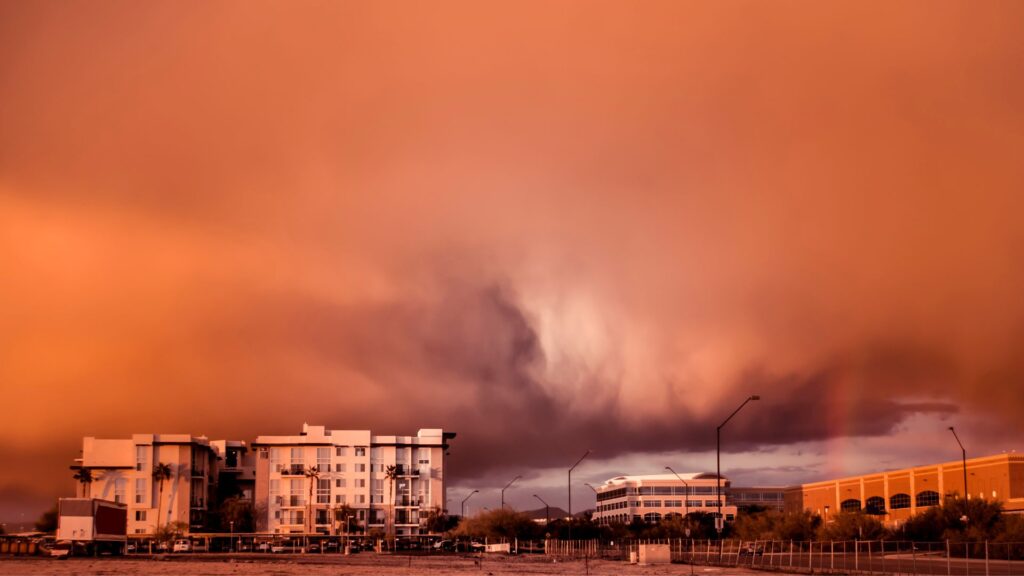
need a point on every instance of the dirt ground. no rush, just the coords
(362, 565)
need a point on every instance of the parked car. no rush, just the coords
(277, 548)
(182, 546)
(263, 547)
(60, 549)
(444, 546)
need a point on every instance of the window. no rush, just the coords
(323, 458)
(341, 451)
(323, 491)
(275, 487)
(339, 467)
(296, 492)
(275, 459)
(694, 503)
(652, 503)
(293, 517)
(140, 515)
(850, 505)
(339, 483)
(928, 498)
(673, 503)
(360, 467)
(375, 454)
(360, 499)
(711, 503)
(899, 501)
(424, 455)
(140, 458)
(140, 490)
(874, 505)
(652, 517)
(360, 451)
(120, 486)
(296, 454)
(360, 482)
(339, 498)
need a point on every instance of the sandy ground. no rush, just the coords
(361, 565)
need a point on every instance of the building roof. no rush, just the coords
(660, 478)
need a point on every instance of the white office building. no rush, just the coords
(653, 497)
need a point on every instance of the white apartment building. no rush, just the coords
(654, 497)
(122, 470)
(350, 490)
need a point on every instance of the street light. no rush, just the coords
(720, 521)
(963, 453)
(686, 494)
(570, 489)
(547, 510)
(506, 488)
(464, 502)
(587, 484)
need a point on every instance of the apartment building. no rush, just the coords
(653, 497)
(236, 470)
(896, 495)
(122, 470)
(337, 481)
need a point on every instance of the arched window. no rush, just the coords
(899, 501)
(851, 505)
(672, 515)
(875, 505)
(928, 498)
(652, 517)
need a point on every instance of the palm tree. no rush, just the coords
(390, 473)
(84, 475)
(161, 473)
(313, 473)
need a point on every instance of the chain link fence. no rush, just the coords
(840, 557)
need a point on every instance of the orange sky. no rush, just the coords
(602, 222)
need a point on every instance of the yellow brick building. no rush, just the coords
(899, 494)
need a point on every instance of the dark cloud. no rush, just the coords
(547, 230)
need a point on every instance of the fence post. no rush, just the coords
(810, 555)
(832, 555)
(967, 558)
(986, 558)
(949, 565)
(913, 555)
(791, 552)
(856, 555)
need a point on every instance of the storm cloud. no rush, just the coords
(546, 227)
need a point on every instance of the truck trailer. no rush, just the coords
(97, 526)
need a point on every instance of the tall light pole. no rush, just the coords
(587, 484)
(570, 489)
(720, 521)
(506, 488)
(686, 494)
(464, 502)
(547, 510)
(963, 452)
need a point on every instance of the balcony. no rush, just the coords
(402, 470)
(406, 501)
(293, 470)
(290, 501)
